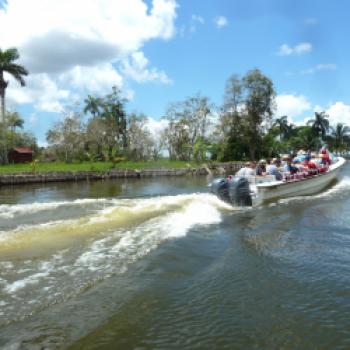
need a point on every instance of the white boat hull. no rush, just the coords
(310, 185)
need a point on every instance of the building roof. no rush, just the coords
(23, 150)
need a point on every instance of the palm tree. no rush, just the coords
(93, 105)
(339, 137)
(320, 124)
(13, 120)
(284, 128)
(7, 58)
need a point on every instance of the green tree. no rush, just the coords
(339, 137)
(14, 120)
(67, 137)
(231, 122)
(304, 138)
(96, 131)
(141, 144)
(285, 129)
(8, 65)
(187, 123)
(115, 115)
(320, 124)
(93, 105)
(259, 97)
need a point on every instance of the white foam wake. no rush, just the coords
(108, 243)
(12, 210)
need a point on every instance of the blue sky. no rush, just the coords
(163, 51)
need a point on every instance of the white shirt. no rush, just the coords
(245, 172)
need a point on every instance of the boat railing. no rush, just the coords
(258, 179)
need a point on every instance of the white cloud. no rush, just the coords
(91, 79)
(320, 67)
(339, 112)
(41, 90)
(73, 46)
(197, 18)
(292, 105)
(285, 50)
(155, 127)
(135, 67)
(187, 30)
(221, 21)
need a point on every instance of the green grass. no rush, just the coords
(95, 166)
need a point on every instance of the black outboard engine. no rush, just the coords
(235, 191)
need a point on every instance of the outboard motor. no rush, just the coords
(235, 191)
(220, 187)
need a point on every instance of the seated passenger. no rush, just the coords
(272, 169)
(311, 165)
(247, 170)
(290, 167)
(261, 168)
(285, 159)
(325, 157)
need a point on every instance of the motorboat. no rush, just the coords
(254, 190)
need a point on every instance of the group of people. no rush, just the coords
(288, 166)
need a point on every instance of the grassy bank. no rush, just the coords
(93, 166)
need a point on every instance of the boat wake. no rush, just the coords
(50, 261)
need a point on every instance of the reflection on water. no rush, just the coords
(160, 263)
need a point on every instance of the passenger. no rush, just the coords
(272, 169)
(325, 157)
(308, 155)
(247, 170)
(290, 167)
(285, 159)
(261, 168)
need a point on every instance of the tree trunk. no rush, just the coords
(252, 149)
(3, 85)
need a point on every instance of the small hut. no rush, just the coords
(21, 155)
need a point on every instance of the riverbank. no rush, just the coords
(26, 177)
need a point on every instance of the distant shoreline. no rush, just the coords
(20, 178)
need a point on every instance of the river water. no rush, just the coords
(162, 264)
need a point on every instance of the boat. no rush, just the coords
(255, 190)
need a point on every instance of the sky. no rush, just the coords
(163, 51)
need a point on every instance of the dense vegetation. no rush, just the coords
(243, 127)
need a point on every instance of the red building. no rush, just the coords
(21, 155)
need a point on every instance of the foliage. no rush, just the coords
(140, 141)
(339, 139)
(244, 127)
(67, 137)
(246, 114)
(8, 65)
(320, 124)
(187, 125)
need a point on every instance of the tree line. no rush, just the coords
(243, 127)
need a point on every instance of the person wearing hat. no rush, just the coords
(261, 168)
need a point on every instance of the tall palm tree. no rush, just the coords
(284, 127)
(14, 120)
(93, 105)
(320, 124)
(339, 136)
(7, 59)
